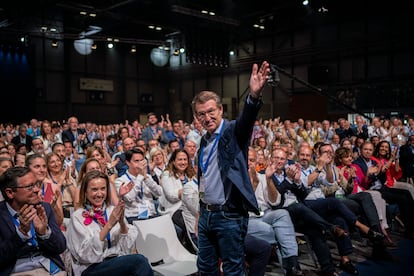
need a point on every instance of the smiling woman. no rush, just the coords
(98, 237)
(179, 172)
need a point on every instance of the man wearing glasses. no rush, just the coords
(30, 239)
(226, 194)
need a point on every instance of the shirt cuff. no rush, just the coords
(253, 101)
(45, 236)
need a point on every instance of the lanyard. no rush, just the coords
(276, 178)
(108, 236)
(205, 165)
(43, 189)
(32, 240)
(141, 193)
(185, 180)
(306, 172)
(55, 182)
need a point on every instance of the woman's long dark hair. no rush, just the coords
(376, 151)
(189, 172)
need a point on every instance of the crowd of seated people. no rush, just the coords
(87, 183)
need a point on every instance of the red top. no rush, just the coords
(392, 174)
(358, 181)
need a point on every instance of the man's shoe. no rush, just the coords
(294, 272)
(348, 267)
(338, 232)
(389, 243)
(375, 236)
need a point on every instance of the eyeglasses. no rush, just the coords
(210, 113)
(278, 158)
(30, 187)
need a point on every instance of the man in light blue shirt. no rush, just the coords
(226, 194)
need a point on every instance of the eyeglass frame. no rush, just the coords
(202, 115)
(30, 187)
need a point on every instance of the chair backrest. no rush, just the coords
(157, 240)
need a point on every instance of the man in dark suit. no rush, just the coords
(23, 138)
(375, 179)
(226, 194)
(75, 135)
(407, 159)
(30, 239)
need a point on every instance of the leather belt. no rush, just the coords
(214, 207)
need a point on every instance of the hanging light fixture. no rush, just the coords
(83, 46)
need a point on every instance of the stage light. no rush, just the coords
(83, 46)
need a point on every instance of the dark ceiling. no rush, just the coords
(128, 20)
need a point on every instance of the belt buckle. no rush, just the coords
(208, 208)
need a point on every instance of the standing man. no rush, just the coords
(227, 196)
(23, 138)
(30, 238)
(154, 131)
(76, 135)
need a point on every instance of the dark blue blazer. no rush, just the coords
(11, 246)
(285, 186)
(232, 159)
(67, 135)
(371, 178)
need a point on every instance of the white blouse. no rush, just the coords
(169, 201)
(86, 247)
(190, 205)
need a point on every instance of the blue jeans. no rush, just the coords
(221, 235)
(128, 265)
(275, 225)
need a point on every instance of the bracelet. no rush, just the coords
(66, 185)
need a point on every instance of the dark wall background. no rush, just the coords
(364, 63)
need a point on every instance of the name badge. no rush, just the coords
(143, 212)
(202, 188)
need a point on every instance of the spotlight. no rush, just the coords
(182, 50)
(54, 44)
(22, 39)
(133, 49)
(110, 45)
(231, 53)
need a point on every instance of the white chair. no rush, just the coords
(157, 240)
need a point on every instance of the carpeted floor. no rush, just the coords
(402, 266)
